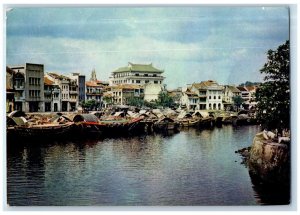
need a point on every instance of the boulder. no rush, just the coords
(270, 161)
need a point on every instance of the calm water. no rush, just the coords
(188, 168)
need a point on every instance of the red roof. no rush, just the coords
(47, 81)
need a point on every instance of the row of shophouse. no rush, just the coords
(30, 89)
(209, 95)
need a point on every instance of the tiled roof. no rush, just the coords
(242, 88)
(205, 84)
(47, 81)
(56, 76)
(233, 89)
(139, 68)
(95, 83)
(249, 88)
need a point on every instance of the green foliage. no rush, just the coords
(238, 101)
(108, 100)
(165, 100)
(273, 96)
(90, 104)
(135, 101)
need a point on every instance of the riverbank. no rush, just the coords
(116, 122)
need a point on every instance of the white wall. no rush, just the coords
(151, 92)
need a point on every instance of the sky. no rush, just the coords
(191, 44)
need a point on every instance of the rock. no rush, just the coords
(284, 140)
(270, 161)
(271, 135)
(265, 136)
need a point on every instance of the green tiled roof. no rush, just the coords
(139, 68)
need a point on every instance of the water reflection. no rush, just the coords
(193, 167)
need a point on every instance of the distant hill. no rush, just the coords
(249, 83)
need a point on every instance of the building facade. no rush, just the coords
(137, 74)
(68, 93)
(229, 93)
(95, 89)
(190, 100)
(10, 91)
(151, 92)
(80, 81)
(210, 95)
(121, 94)
(32, 89)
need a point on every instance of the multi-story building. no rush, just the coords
(52, 96)
(56, 98)
(210, 95)
(73, 95)
(245, 94)
(189, 100)
(48, 88)
(31, 87)
(10, 91)
(19, 90)
(137, 74)
(95, 89)
(80, 80)
(123, 92)
(68, 91)
(229, 93)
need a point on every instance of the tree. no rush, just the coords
(273, 96)
(135, 101)
(165, 100)
(90, 104)
(238, 101)
(249, 83)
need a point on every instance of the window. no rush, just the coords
(146, 75)
(138, 81)
(132, 81)
(154, 75)
(137, 74)
(214, 97)
(209, 97)
(155, 82)
(147, 81)
(219, 97)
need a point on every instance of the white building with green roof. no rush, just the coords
(140, 74)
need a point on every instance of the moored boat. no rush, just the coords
(44, 131)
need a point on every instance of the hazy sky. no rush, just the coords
(191, 44)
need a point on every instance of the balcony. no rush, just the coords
(47, 92)
(73, 92)
(19, 99)
(19, 87)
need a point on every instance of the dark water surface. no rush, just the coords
(192, 167)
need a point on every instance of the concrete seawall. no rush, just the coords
(270, 161)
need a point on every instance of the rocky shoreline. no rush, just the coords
(268, 161)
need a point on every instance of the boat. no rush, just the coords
(90, 124)
(166, 124)
(37, 132)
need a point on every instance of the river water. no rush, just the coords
(192, 167)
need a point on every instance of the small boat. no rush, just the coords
(166, 124)
(188, 122)
(90, 124)
(44, 131)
